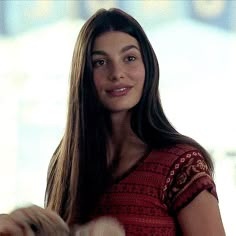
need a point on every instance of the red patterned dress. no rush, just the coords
(146, 199)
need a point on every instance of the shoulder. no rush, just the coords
(173, 158)
(169, 155)
(187, 174)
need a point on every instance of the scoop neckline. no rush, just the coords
(132, 168)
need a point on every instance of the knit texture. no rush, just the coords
(148, 197)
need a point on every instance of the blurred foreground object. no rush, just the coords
(103, 226)
(33, 220)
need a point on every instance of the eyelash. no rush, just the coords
(96, 63)
(133, 58)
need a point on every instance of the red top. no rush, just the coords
(146, 199)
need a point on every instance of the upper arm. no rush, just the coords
(201, 217)
(190, 195)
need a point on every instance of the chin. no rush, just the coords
(124, 108)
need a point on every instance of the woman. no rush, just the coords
(120, 157)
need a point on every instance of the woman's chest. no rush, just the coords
(135, 201)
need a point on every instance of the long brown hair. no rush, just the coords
(78, 172)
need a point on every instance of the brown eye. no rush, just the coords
(98, 63)
(130, 58)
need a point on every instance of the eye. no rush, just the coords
(130, 58)
(98, 62)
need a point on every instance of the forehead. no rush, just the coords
(113, 40)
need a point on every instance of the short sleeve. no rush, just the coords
(188, 176)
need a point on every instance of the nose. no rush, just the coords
(116, 71)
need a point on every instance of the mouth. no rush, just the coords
(117, 92)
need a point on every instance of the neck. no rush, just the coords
(123, 142)
(124, 148)
(121, 128)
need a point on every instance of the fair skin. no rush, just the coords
(119, 74)
(201, 217)
(118, 71)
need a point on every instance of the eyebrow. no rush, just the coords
(124, 49)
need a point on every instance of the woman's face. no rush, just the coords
(118, 70)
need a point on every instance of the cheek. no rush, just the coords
(139, 74)
(97, 81)
(142, 73)
(141, 78)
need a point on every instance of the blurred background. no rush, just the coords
(195, 42)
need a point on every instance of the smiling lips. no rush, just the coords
(120, 91)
